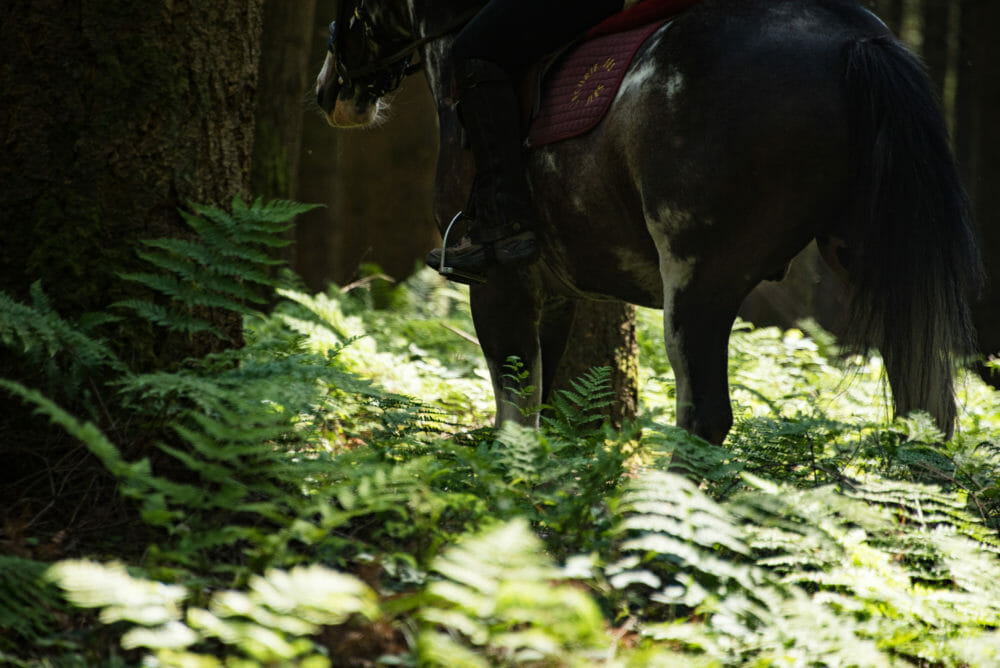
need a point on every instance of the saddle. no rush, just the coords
(573, 89)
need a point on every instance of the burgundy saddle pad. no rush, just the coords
(580, 87)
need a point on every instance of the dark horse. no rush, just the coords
(743, 130)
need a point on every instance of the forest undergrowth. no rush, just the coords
(333, 494)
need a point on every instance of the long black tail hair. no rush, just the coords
(915, 260)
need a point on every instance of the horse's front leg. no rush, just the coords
(506, 312)
(698, 316)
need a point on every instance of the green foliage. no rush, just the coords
(495, 603)
(28, 605)
(301, 507)
(268, 624)
(60, 356)
(579, 408)
(225, 268)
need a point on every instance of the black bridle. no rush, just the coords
(385, 74)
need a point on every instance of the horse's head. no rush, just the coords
(371, 48)
(369, 52)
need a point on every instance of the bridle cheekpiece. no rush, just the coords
(385, 74)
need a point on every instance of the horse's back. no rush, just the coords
(726, 148)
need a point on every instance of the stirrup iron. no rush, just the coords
(451, 272)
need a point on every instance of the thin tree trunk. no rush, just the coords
(317, 234)
(964, 102)
(377, 185)
(984, 161)
(384, 188)
(604, 334)
(285, 77)
(891, 11)
(934, 49)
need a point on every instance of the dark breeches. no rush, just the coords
(517, 33)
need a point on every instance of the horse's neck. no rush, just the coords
(440, 72)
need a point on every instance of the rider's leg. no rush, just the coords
(505, 36)
(502, 214)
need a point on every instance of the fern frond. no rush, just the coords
(888, 573)
(171, 319)
(522, 454)
(28, 603)
(496, 595)
(207, 291)
(242, 281)
(576, 409)
(30, 328)
(684, 547)
(270, 623)
(218, 262)
(681, 452)
(133, 475)
(222, 269)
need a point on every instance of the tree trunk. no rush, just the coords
(383, 195)
(317, 235)
(983, 154)
(115, 115)
(890, 11)
(112, 119)
(934, 48)
(285, 77)
(604, 334)
(964, 94)
(377, 185)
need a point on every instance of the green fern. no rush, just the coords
(581, 407)
(853, 542)
(60, 356)
(268, 624)
(562, 476)
(673, 448)
(495, 604)
(29, 605)
(892, 576)
(222, 269)
(682, 553)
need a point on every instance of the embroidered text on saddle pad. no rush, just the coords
(580, 88)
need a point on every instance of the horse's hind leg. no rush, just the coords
(698, 316)
(554, 332)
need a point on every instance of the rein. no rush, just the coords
(388, 72)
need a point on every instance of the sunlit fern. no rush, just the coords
(224, 267)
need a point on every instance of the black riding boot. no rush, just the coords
(500, 208)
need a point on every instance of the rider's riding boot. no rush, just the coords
(500, 208)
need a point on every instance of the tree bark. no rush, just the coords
(285, 77)
(983, 154)
(317, 234)
(604, 334)
(936, 16)
(114, 117)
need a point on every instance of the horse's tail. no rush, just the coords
(914, 257)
